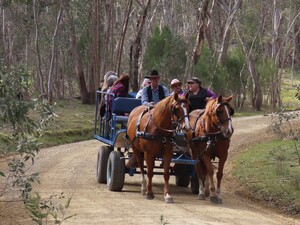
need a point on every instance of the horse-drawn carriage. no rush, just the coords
(161, 137)
(110, 129)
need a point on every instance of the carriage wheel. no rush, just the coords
(115, 171)
(182, 178)
(103, 154)
(195, 184)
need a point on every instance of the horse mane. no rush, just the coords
(210, 116)
(163, 104)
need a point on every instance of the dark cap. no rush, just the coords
(153, 74)
(194, 80)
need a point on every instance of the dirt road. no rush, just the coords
(71, 169)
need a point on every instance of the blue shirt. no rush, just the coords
(155, 97)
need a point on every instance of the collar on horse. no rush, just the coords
(158, 137)
(208, 136)
(144, 134)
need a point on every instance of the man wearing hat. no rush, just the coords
(154, 92)
(198, 95)
(176, 86)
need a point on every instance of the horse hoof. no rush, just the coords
(143, 191)
(214, 199)
(168, 199)
(201, 197)
(150, 196)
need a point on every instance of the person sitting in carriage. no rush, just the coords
(146, 82)
(176, 87)
(154, 92)
(120, 88)
(198, 95)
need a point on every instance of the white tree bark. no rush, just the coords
(50, 74)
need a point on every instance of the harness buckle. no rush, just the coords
(163, 139)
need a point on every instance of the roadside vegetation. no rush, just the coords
(271, 170)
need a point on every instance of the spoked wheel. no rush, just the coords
(102, 159)
(195, 184)
(115, 171)
(182, 178)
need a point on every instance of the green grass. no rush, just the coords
(74, 122)
(271, 171)
(72, 114)
(288, 92)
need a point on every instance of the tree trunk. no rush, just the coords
(136, 47)
(229, 21)
(50, 75)
(36, 42)
(108, 38)
(96, 83)
(122, 38)
(202, 24)
(78, 63)
(257, 93)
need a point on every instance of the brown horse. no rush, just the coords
(212, 130)
(151, 131)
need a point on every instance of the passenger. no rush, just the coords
(146, 83)
(154, 92)
(176, 87)
(109, 78)
(198, 95)
(120, 88)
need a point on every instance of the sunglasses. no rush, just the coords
(191, 82)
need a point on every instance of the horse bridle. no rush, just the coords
(175, 123)
(221, 122)
(231, 112)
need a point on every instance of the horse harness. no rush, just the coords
(158, 137)
(210, 138)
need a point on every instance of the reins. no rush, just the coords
(159, 137)
(209, 135)
(175, 123)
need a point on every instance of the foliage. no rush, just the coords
(271, 174)
(297, 95)
(21, 134)
(212, 74)
(282, 125)
(166, 53)
(51, 209)
(234, 64)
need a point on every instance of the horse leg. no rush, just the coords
(219, 180)
(210, 174)
(200, 170)
(150, 167)
(167, 160)
(207, 191)
(201, 173)
(140, 161)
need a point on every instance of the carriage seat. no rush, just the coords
(122, 106)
